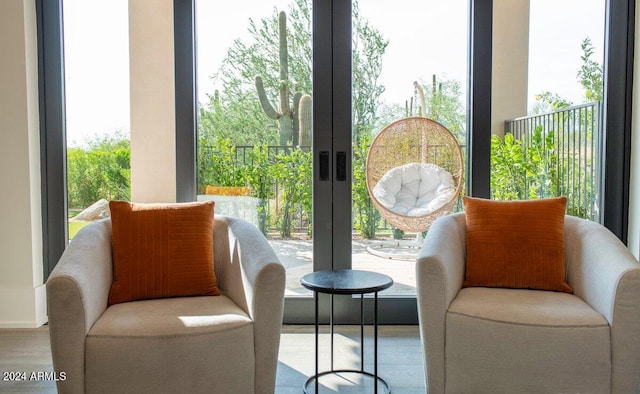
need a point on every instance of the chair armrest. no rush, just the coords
(439, 275)
(604, 273)
(250, 273)
(77, 293)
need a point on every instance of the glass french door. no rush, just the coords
(382, 69)
(255, 126)
(409, 59)
(287, 116)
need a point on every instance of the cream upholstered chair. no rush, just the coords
(494, 340)
(206, 344)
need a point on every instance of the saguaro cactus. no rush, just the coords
(294, 121)
(420, 92)
(305, 120)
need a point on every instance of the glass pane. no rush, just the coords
(254, 131)
(554, 121)
(96, 57)
(409, 60)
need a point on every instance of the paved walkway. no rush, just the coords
(297, 255)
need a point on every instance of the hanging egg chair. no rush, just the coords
(414, 175)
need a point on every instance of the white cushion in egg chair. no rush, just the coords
(415, 189)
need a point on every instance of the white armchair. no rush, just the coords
(493, 340)
(212, 344)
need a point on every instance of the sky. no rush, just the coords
(96, 47)
(425, 38)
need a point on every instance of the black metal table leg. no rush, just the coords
(375, 342)
(316, 296)
(331, 329)
(362, 332)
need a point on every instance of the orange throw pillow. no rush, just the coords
(162, 250)
(516, 244)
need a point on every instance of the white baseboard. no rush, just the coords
(23, 307)
(24, 324)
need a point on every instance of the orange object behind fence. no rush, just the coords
(228, 190)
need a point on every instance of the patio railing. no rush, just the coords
(247, 207)
(577, 146)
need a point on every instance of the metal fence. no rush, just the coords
(577, 146)
(299, 218)
(246, 207)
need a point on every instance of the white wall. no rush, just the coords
(22, 296)
(22, 292)
(510, 71)
(153, 141)
(633, 238)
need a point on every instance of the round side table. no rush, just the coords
(348, 282)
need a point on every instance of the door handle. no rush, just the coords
(324, 166)
(341, 166)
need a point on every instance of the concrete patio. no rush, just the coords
(297, 255)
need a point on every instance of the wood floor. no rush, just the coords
(399, 359)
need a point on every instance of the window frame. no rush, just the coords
(53, 147)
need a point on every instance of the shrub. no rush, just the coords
(102, 170)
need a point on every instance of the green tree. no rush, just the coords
(590, 73)
(292, 171)
(237, 119)
(590, 78)
(235, 110)
(369, 47)
(218, 164)
(366, 216)
(522, 170)
(261, 179)
(443, 101)
(102, 170)
(549, 102)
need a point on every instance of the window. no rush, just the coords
(618, 64)
(96, 58)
